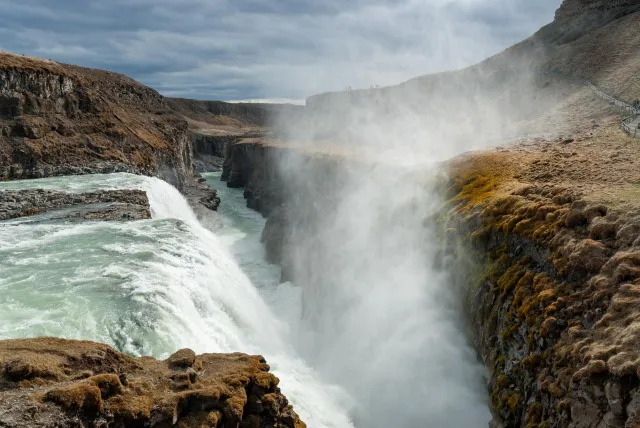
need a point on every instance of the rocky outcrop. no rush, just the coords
(49, 382)
(200, 194)
(253, 165)
(208, 150)
(58, 118)
(575, 18)
(551, 273)
(112, 205)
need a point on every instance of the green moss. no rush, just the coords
(512, 400)
(509, 332)
(532, 362)
(534, 415)
(503, 381)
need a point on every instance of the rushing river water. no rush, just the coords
(151, 287)
(388, 336)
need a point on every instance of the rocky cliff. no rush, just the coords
(215, 124)
(551, 256)
(58, 119)
(50, 382)
(576, 18)
(508, 95)
(543, 241)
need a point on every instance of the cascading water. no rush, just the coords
(381, 317)
(151, 287)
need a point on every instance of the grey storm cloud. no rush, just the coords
(239, 49)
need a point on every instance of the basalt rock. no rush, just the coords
(209, 150)
(551, 278)
(118, 205)
(58, 119)
(49, 382)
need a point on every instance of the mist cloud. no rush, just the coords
(241, 49)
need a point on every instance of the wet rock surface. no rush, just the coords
(49, 382)
(108, 205)
(199, 194)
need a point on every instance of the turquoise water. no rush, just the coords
(151, 287)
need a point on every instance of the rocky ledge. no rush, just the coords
(58, 119)
(551, 267)
(48, 382)
(99, 205)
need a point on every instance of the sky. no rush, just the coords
(268, 49)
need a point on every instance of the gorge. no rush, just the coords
(459, 250)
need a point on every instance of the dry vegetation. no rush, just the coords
(559, 239)
(46, 381)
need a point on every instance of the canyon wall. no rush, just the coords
(209, 150)
(58, 119)
(233, 114)
(545, 264)
(552, 276)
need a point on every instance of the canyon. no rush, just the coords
(534, 228)
(541, 233)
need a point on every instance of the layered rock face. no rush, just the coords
(58, 119)
(576, 18)
(214, 125)
(50, 382)
(218, 112)
(551, 268)
(209, 150)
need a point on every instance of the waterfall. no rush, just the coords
(149, 288)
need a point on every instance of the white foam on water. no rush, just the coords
(149, 288)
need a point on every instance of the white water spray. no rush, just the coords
(148, 288)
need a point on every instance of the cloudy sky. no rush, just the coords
(288, 49)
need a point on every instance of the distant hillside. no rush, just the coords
(218, 117)
(62, 119)
(532, 88)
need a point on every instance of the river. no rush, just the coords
(387, 352)
(154, 286)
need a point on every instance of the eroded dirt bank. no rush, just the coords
(50, 382)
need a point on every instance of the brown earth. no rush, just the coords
(49, 382)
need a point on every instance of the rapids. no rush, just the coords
(154, 286)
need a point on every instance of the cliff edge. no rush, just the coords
(552, 270)
(58, 119)
(48, 382)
